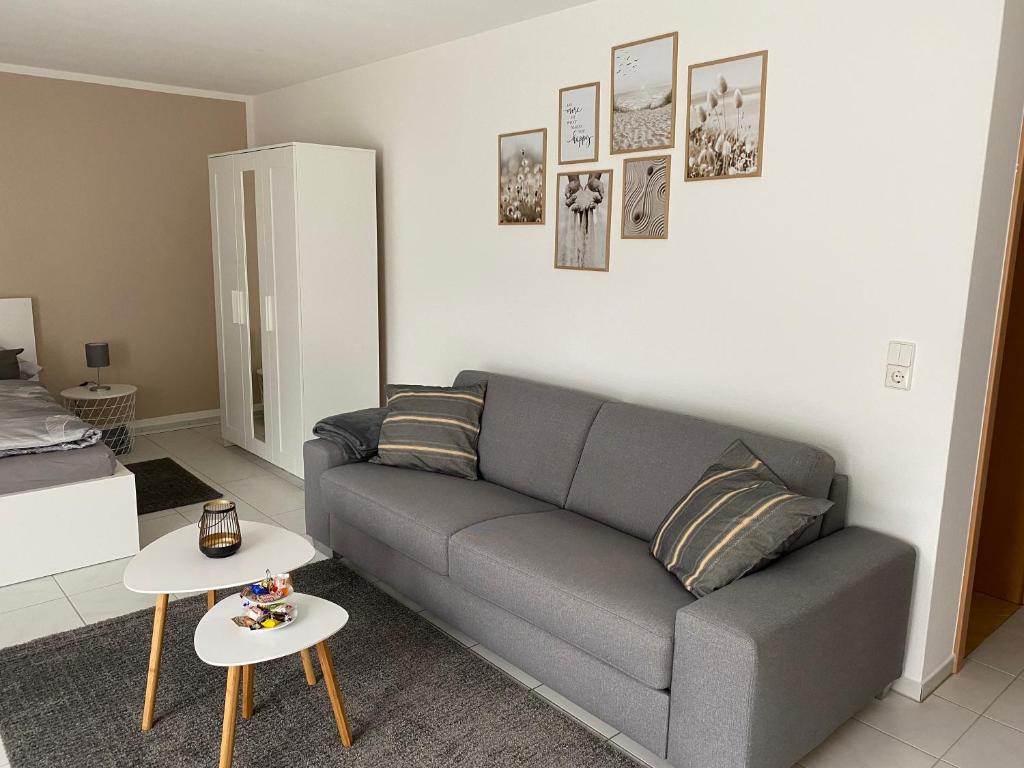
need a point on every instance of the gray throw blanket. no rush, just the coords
(32, 422)
(357, 433)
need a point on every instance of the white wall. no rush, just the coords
(772, 302)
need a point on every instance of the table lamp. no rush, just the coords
(97, 355)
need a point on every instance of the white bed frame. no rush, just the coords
(62, 527)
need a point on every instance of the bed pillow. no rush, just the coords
(737, 518)
(435, 429)
(9, 367)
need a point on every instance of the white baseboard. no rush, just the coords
(176, 421)
(919, 690)
(937, 678)
(906, 686)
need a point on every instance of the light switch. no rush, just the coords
(899, 366)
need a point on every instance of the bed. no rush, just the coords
(64, 503)
(42, 445)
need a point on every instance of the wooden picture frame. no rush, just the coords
(594, 124)
(577, 227)
(513, 193)
(626, 60)
(651, 182)
(689, 172)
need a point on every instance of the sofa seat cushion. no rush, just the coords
(415, 512)
(591, 585)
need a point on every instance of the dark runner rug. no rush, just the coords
(165, 484)
(414, 697)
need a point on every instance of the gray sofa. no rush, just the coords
(545, 560)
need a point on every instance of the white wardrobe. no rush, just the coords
(295, 274)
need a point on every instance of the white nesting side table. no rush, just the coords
(173, 563)
(220, 643)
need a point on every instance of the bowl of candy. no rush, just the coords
(264, 606)
(271, 589)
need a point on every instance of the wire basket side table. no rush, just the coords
(111, 410)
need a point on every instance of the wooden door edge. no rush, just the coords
(988, 415)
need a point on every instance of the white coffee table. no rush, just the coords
(173, 563)
(220, 643)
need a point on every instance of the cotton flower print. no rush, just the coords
(726, 113)
(521, 177)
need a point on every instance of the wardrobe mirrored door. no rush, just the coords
(249, 237)
(255, 411)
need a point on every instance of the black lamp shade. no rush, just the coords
(97, 354)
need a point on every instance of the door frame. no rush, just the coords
(989, 413)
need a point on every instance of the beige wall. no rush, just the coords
(105, 224)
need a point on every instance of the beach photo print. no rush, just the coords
(643, 113)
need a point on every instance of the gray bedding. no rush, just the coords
(32, 422)
(43, 470)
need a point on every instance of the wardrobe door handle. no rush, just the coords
(234, 307)
(268, 313)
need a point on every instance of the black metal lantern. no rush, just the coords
(220, 534)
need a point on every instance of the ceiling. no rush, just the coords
(239, 46)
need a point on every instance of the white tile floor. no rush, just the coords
(974, 720)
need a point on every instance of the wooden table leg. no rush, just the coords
(247, 680)
(307, 666)
(327, 668)
(227, 738)
(155, 649)
(211, 599)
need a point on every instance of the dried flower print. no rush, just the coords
(724, 134)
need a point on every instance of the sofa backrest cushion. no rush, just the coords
(531, 434)
(638, 462)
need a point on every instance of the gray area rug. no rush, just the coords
(414, 697)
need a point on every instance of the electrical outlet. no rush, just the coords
(897, 377)
(899, 366)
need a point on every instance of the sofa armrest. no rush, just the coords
(767, 667)
(318, 456)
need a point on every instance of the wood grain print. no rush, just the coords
(645, 196)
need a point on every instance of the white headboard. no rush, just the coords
(16, 327)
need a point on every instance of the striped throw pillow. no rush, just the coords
(736, 519)
(432, 428)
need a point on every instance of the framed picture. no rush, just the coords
(522, 171)
(578, 110)
(583, 222)
(725, 117)
(643, 113)
(645, 194)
